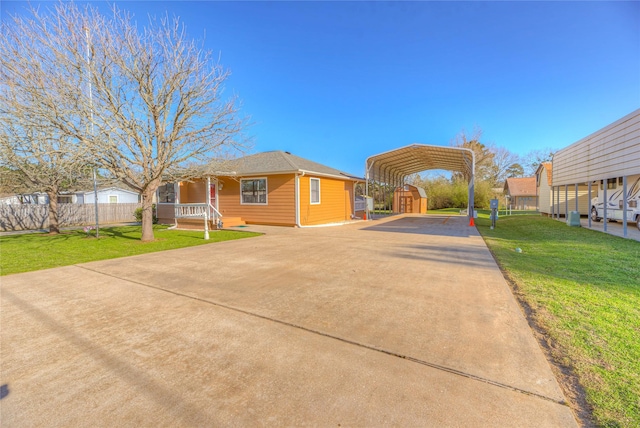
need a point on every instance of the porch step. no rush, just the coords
(232, 221)
(194, 224)
(198, 223)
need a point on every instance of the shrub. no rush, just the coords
(138, 214)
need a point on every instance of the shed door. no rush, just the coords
(406, 204)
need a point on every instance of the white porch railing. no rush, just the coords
(207, 211)
(196, 210)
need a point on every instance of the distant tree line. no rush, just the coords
(494, 164)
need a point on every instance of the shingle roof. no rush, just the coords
(521, 186)
(280, 162)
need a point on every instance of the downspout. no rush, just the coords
(297, 192)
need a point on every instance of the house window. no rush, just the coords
(167, 193)
(113, 199)
(315, 190)
(65, 199)
(253, 191)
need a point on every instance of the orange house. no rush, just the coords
(272, 188)
(410, 199)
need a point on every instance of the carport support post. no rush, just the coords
(566, 201)
(605, 183)
(577, 207)
(624, 206)
(589, 197)
(472, 187)
(366, 193)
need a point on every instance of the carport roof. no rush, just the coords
(415, 158)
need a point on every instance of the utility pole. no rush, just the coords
(95, 181)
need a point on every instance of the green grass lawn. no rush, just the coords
(584, 289)
(501, 213)
(34, 251)
(451, 211)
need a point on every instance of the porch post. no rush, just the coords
(176, 201)
(208, 196)
(206, 225)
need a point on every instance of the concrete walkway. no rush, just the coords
(405, 321)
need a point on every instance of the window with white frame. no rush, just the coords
(314, 184)
(113, 199)
(253, 191)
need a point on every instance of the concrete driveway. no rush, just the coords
(405, 321)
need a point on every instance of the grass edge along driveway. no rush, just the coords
(583, 288)
(35, 251)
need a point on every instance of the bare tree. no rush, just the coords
(503, 163)
(36, 160)
(35, 153)
(148, 100)
(534, 158)
(483, 155)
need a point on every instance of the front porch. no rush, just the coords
(189, 205)
(194, 216)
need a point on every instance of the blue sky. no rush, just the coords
(336, 82)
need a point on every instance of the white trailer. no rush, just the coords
(612, 200)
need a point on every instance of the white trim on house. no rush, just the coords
(266, 191)
(311, 201)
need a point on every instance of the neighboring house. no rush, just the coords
(108, 195)
(272, 188)
(24, 199)
(521, 193)
(543, 187)
(550, 202)
(410, 199)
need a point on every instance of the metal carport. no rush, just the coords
(393, 167)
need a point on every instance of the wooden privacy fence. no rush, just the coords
(30, 217)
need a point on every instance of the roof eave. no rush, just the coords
(298, 171)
